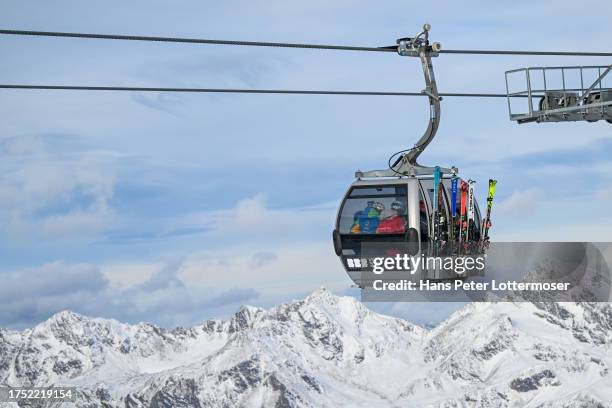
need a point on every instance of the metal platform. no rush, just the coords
(560, 94)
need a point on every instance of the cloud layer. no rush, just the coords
(172, 208)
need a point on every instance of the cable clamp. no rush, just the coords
(428, 93)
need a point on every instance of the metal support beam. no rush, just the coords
(407, 165)
(594, 84)
(564, 103)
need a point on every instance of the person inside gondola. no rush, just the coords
(366, 221)
(393, 220)
(423, 221)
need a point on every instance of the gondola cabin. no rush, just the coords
(377, 214)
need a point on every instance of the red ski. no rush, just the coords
(463, 218)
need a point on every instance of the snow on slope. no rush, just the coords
(327, 351)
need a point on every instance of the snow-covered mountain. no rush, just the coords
(326, 351)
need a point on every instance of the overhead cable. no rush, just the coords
(286, 45)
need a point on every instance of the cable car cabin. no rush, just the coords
(383, 217)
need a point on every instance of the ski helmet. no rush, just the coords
(379, 206)
(399, 207)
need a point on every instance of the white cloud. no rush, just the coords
(521, 202)
(37, 184)
(33, 294)
(46, 195)
(582, 231)
(125, 275)
(604, 194)
(252, 217)
(291, 269)
(572, 169)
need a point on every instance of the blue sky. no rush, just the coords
(174, 208)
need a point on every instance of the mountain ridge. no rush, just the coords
(325, 350)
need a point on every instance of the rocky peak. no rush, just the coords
(244, 318)
(321, 295)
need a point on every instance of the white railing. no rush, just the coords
(559, 94)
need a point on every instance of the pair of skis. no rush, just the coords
(458, 215)
(454, 190)
(486, 223)
(466, 215)
(467, 210)
(437, 205)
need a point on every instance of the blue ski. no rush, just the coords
(436, 213)
(454, 182)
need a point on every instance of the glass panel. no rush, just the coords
(375, 210)
(378, 191)
(423, 218)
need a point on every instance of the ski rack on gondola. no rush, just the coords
(569, 97)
